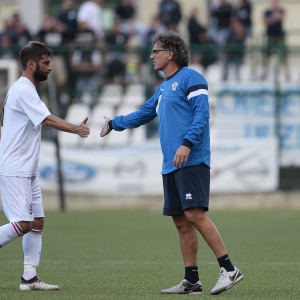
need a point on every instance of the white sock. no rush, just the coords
(29, 272)
(32, 248)
(9, 232)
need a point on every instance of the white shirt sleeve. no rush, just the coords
(96, 57)
(33, 106)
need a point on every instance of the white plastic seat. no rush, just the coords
(77, 112)
(138, 135)
(112, 100)
(99, 111)
(134, 94)
(246, 73)
(197, 67)
(117, 138)
(94, 138)
(111, 94)
(112, 88)
(214, 73)
(135, 87)
(135, 99)
(126, 109)
(68, 139)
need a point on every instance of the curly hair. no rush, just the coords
(33, 51)
(170, 40)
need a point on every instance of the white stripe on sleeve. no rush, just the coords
(196, 93)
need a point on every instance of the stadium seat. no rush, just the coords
(77, 112)
(99, 111)
(134, 94)
(116, 138)
(126, 109)
(111, 94)
(246, 73)
(294, 75)
(138, 136)
(214, 73)
(94, 139)
(270, 74)
(68, 139)
(113, 100)
(135, 87)
(112, 89)
(197, 67)
(134, 98)
(123, 138)
(86, 98)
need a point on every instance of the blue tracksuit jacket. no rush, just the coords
(181, 103)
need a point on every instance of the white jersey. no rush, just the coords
(22, 115)
(91, 13)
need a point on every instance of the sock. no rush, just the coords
(32, 248)
(29, 272)
(191, 274)
(224, 262)
(9, 232)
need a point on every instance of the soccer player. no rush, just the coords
(21, 119)
(181, 103)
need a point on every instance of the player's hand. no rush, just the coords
(105, 130)
(83, 130)
(181, 156)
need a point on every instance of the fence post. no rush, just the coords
(55, 110)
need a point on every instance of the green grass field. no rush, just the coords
(134, 254)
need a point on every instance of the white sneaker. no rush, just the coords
(36, 284)
(226, 280)
(184, 287)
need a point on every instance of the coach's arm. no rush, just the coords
(82, 130)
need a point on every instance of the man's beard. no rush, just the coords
(38, 75)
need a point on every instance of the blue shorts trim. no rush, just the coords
(185, 188)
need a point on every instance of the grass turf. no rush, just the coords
(134, 254)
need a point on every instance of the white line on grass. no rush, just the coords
(121, 262)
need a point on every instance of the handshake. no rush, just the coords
(83, 130)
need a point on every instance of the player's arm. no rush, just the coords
(82, 130)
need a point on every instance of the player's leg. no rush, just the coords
(32, 243)
(32, 248)
(14, 194)
(188, 240)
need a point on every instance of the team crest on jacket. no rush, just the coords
(174, 86)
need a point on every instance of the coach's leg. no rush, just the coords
(32, 247)
(189, 247)
(229, 274)
(208, 230)
(188, 239)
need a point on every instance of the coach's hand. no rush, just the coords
(105, 130)
(181, 156)
(83, 130)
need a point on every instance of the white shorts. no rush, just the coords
(21, 198)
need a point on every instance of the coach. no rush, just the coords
(181, 103)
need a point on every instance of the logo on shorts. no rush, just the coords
(30, 206)
(188, 196)
(174, 86)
